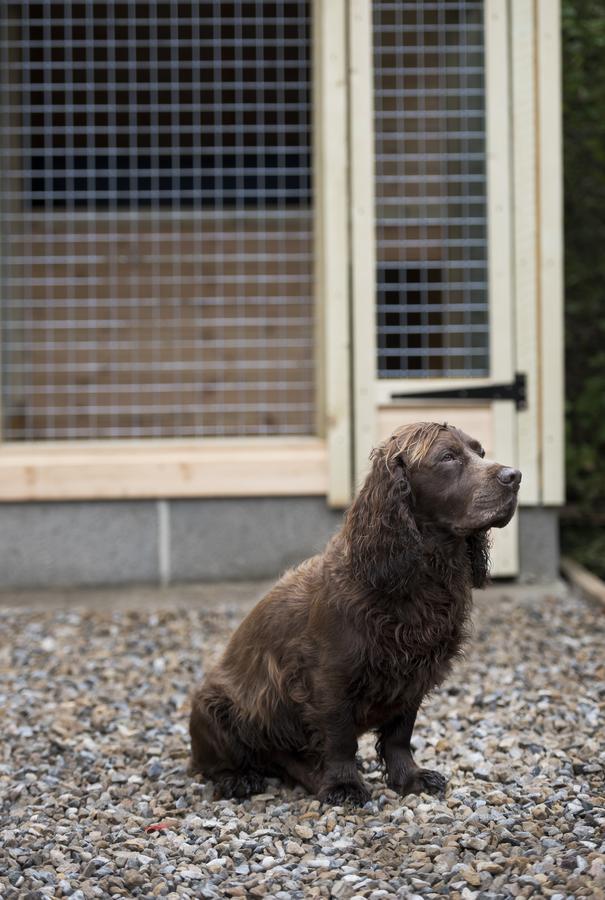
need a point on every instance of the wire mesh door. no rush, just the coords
(157, 219)
(431, 217)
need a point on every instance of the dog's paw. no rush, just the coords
(432, 782)
(423, 781)
(352, 792)
(240, 785)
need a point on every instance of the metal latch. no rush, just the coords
(515, 390)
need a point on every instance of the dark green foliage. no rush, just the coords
(584, 155)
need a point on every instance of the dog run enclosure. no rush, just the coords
(241, 242)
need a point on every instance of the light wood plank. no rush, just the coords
(472, 418)
(499, 190)
(583, 580)
(505, 541)
(550, 173)
(525, 241)
(214, 469)
(332, 198)
(318, 229)
(505, 550)
(363, 228)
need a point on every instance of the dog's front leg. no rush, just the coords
(341, 782)
(403, 773)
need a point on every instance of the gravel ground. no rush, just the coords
(95, 800)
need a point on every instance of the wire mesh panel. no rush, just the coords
(430, 188)
(156, 219)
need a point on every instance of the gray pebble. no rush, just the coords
(517, 742)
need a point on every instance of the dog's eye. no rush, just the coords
(448, 457)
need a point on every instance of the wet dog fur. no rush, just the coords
(353, 639)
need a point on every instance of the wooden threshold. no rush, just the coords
(584, 580)
(264, 467)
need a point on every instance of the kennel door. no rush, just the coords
(430, 188)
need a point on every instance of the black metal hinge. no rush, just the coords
(515, 390)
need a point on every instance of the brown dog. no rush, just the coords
(353, 639)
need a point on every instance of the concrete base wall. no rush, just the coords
(172, 541)
(539, 552)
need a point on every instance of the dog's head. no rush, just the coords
(452, 485)
(427, 480)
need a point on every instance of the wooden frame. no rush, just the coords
(505, 554)
(499, 223)
(363, 231)
(262, 467)
(550, 246)
(527, 341)
(332, 243)
(240, 467)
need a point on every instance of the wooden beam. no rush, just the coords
(332, 240)
(498, 139)
(550, 208)
(363, 230)
(583, 580)
(111, 471)
(525, 240)
(505, 552)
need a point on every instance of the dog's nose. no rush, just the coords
(510, 477)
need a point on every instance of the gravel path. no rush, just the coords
(95, 800)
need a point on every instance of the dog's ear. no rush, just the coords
(478, 545)
(383, 541)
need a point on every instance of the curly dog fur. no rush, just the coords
(353, 639)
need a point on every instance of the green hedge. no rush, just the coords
(583, 532)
